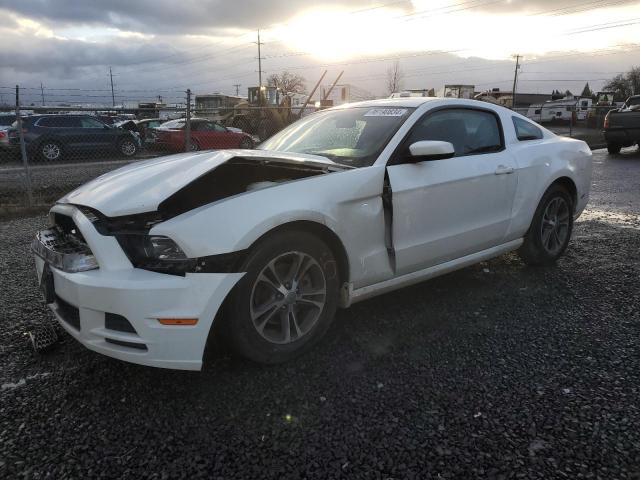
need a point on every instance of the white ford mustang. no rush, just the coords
(141, 263)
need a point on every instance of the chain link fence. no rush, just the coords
(47, 152)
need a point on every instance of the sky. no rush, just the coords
(161, 47)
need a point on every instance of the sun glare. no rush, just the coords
(335, 34)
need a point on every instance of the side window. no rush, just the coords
(69, 122)
(200, 126)
(219, 128)
(469, 131)
(58, 121)
(526, 130)
(90, 123)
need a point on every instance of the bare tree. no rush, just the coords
(287, 82)
(625, 85)
(394, 77)
(633, 77)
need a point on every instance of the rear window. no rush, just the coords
(526, 130)
(174, 124)
(633, 101)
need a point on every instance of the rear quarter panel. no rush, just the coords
(539, 164)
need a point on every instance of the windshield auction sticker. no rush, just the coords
(386, 112)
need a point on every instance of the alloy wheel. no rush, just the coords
(288, 297)
(127, 148)
(51, 151)
(555, 225)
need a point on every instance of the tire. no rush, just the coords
(613, 149)
(550, 229)
(127, 147)
(246, 144)
(50, 150)
(264, 131)
(193, 146)
(259, 323)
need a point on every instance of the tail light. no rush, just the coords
(606, 121)
(3, 134)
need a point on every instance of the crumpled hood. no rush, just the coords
(141, 186)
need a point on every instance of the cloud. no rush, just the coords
(168, 16)
(158, 45)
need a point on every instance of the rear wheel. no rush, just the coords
(551, 228)
(51, 150)
(193, 146)
(613, 149)
(287, 299)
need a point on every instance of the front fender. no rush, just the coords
(347, 202)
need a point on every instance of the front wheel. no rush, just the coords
(246, 144)
(613, 149)
(287, 299)
(128, 147)
(551, 228)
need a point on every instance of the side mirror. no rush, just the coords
(430, 150)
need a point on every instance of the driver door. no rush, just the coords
(446, 209)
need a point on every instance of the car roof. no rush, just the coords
(415, 102)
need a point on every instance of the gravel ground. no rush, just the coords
(495, 371)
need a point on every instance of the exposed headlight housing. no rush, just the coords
(162, 248)
(156, 253)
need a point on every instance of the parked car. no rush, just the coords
(53, 137)
(205, 135)
(343, 205)
(622, 126)
(146, 126)
(5, 124)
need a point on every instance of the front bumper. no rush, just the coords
(84, 300)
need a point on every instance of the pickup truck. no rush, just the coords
(622, 126)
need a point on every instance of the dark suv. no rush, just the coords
(52, 137)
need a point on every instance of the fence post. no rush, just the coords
(23, 151)
(187, 127)
(573, 112)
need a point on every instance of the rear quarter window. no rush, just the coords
(526, 130)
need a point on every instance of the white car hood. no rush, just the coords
(141, 186)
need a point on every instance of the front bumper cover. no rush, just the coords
(141, 297)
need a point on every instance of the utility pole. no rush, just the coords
(187, 127)
(237, 85)
(515, 83)
(259, 62)
(113, 97)
(42, 91)
(259, 70)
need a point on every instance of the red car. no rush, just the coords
(205, 135)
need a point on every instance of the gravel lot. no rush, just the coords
(495, 371)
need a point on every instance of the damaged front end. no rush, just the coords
(237, 176)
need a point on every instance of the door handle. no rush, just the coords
(503, 170)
